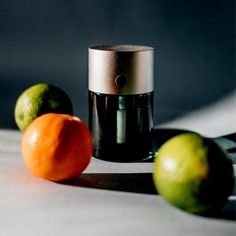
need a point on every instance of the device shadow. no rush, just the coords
(126, 182)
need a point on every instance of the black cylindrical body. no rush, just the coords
(121, 125)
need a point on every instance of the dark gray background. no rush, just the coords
(47, 41)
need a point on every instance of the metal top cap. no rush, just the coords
(121, 69)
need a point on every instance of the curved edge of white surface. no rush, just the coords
(213, 120)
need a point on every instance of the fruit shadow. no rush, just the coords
(126, 182)
(141, 183)
(228, 212)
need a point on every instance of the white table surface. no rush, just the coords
(108, 199)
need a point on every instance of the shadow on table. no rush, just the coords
(161, 135)
(228, 212)
(229, 209)
(126, 182)
(140, 183)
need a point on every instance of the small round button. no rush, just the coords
(120, 81)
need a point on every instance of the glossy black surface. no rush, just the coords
(138, 123)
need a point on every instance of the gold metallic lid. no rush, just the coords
(120, 69)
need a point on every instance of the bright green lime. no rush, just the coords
(38, 100)
(193, 173)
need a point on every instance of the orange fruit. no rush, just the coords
(56, 146)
